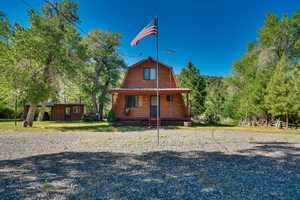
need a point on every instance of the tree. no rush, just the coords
(278, 35)
(214, 105)
(191, 78)
(5, 29)
(231, 107)
(240, 84)
(42, 53)
(103, 67)
(278, 97)
(295, 90)
(59, 41)
(22, 71)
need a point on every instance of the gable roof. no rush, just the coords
(153, 60)
(150, 59)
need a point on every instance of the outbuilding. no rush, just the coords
(63, 111)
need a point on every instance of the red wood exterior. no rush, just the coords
(58, 112)
(134, 84)
(135, 76)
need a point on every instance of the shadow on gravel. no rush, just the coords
(155, 175)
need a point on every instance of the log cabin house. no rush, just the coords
(136, 100)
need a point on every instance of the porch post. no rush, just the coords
(52, 114)
(112, 100)
(190, 106)
(187, 103)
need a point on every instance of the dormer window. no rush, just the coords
(149, 73)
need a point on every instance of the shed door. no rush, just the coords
(68, 113)
(153, 106)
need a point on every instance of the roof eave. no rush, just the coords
(147, 91)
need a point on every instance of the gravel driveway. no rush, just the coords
(129, 165)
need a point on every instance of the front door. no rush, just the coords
(153, 106)
(67, 113)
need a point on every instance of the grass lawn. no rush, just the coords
(67, 126)
(104, 127)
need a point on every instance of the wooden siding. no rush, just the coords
(174, 109)
(58, 112)
(135, 79)
(141, 111)
(135, 76)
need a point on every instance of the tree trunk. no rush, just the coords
(42, 111)
(269, 121)
(16, 110)
(30, 116)
(101, 106)
(48, 78)
(287, 120)
(101, 99)
(94, 102)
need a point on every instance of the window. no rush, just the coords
(169, 98)
(67, 111)
(132, 101)
(149, 73)
(76, 109)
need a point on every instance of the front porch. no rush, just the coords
(138, 104)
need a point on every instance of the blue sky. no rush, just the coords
(213, 33)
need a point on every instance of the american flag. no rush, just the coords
(150, 29)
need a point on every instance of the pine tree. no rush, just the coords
(278, 98)
(214, 105)
(191, 78)
(295, 94)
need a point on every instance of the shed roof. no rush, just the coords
(51, 104)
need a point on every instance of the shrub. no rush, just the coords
(6, 112)
(111, 117)
(210, 117)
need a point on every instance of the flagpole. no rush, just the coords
(157, 95)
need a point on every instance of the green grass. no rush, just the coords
(72, 126)
(68, 126)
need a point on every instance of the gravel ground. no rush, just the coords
(210, 165)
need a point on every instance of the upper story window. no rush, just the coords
(149, 73)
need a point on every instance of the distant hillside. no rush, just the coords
(211, 80)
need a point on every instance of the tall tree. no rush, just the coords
(103, 67)
(41, 53)
(281, 35)
(191, 78)
(22, 70)
(278, 97)
(59, 41)
(295, 91)
(8, 93)
(214, 105)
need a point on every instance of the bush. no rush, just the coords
(111, 117)
(6, 112)
(210, 117)
(90, 117)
